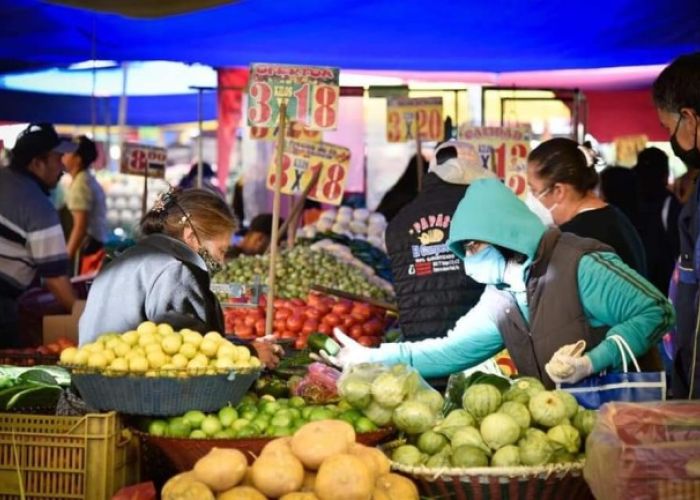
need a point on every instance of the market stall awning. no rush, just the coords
(496, 36)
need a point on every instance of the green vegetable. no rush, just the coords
(407, 455)
(413, 417)
(318, 342)
(468, 456)
(36, 397)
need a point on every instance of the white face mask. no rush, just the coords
(538, 208)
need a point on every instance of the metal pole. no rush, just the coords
(123, 106)
(200, 145)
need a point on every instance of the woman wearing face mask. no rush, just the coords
(165, 277)
(546, 291)
(562, 178)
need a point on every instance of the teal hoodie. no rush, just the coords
(611, 293)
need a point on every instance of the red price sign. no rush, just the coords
(503, 150)
(407, 117)
(136, 158)
(300, 162)
(295, 130)
(312, 95)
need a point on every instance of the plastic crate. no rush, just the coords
(52, 457)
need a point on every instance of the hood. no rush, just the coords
(492, 213)
(464, 169)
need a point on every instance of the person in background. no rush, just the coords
(165, 277)
(618, 187)
(432, 290)
(87, 205)
(31, 238)
(208, 175)
(658, 216)
(545, 292)
(405, 189)
(256, 239)
(562, 179)
(676, 94)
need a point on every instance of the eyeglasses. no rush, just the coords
(542, 193)
(473, 247)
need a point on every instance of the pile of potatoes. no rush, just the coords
(321, 461)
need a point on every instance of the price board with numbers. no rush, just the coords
(300, 162)
(295, 130)
(311, 93)
(503, 150)
(406, 117)
(136, 158)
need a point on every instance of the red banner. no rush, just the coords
(230, 102)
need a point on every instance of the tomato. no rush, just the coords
(373, 327)
(289, 335)
(356, 332)
(312, 313)
(250, 320)
(279, 325)
(245, 332)
(314, 299)
(300, 343)
(309, 328)
(280, 303)
(43, 350)
(260, 325)
(297, 303)
(368, 341)
(283, 313)
(341, 308)
(332, 319)
(361, 312)
(263, 302)
(294, 324)
(325, 329)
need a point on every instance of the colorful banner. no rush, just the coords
(301, 161)
(137, 157)
(311, 93)
(627, 148)
(406, 117)
(503, 150)
(295, 130)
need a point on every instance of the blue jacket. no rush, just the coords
(610, 292)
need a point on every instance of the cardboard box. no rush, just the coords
(63, 325)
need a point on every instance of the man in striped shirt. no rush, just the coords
(31, 239)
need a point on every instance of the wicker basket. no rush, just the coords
(163, 396)
(184, 453)
(552, 481)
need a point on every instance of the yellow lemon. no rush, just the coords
(120, 365)
(106, 338)
(68, 355)
(121, 348)
(130, 338)
(147, 327)
(227, 350)
(109, 355)
(171, 343)
(209, 347)
(243, 353)
(188, 350)
(149, 348)
(179, 361)
(156, 360)
(196, 366)
(147, 338)
(97, 360)
(81, 357)
(165, 329)
(138, 364)
(94, 347)
(224, 364)
(215, 336)
(191, 337)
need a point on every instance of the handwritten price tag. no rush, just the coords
(295, 130)
(136, 158)
(503, 150)
(407, 117)
(301, 161)
(311, 93)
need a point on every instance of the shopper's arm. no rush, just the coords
(77, 234)
(613, 294)
(62, 289)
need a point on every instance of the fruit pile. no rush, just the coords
(321, 461)
(296, 319)
(356, 224)
(157, 350)
(299, 268)
(30, 356)
(253, 417)
(524, 425)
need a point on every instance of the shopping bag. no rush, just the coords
(631, 386)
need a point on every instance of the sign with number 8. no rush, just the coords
(301, 161)
(312, 95)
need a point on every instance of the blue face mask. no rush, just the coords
(487, 266)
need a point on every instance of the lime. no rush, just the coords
(350, 416)
(239, 424)
(261, 422)
(178, 427)
(363, 424)
(297, 402)
(198, 434)
(248, 415)
(280, 431)
(158, 428)
(244, 407)
(294, 413)
(211, 425)
(344, 405)
(270, 407)
(194, 418)
(306, 411)
(281, 421)
(248, 399)
(266, 397)
(284, 402)
(225, 434)
(321, 413)
(227, 415)
(248, 431)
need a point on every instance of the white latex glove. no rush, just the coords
(568, 369)
(351, 353)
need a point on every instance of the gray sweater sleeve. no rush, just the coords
(176, 298)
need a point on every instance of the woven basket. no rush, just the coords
(163, 396)
(552, 481)
(184, 453)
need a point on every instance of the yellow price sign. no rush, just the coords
(627, 148)
(407, 117)
(300, 162)
(295, 130)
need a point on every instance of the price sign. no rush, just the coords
(311, 93)
(503, 150)
(295, 130)
(407, 117)
(301, 161)
(136, 158)
(627, 148)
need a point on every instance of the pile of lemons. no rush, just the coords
(158, 350)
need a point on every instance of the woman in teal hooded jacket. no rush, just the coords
(546, 291)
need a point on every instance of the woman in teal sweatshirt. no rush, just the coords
(546, 291)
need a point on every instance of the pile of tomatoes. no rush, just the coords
(296, 319)
(30, 356)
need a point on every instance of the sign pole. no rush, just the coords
(275, 220)
(200, 144)
(419, 156)
(144, 204)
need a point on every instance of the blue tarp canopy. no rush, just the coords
(495, 35)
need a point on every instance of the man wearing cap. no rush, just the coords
(86, 202)
(31, 239)
(431, 288)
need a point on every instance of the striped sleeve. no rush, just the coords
(47, 248)
(613, 294)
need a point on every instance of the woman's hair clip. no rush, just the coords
(592, 158)
(164, 201)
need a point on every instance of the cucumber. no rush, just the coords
(37, 375)
(35, 397)
(318, 342)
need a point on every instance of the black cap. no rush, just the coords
(86, 150)
(38, 139)
(262, 223)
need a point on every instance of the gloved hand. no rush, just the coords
(568, 369)
(351, 352)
